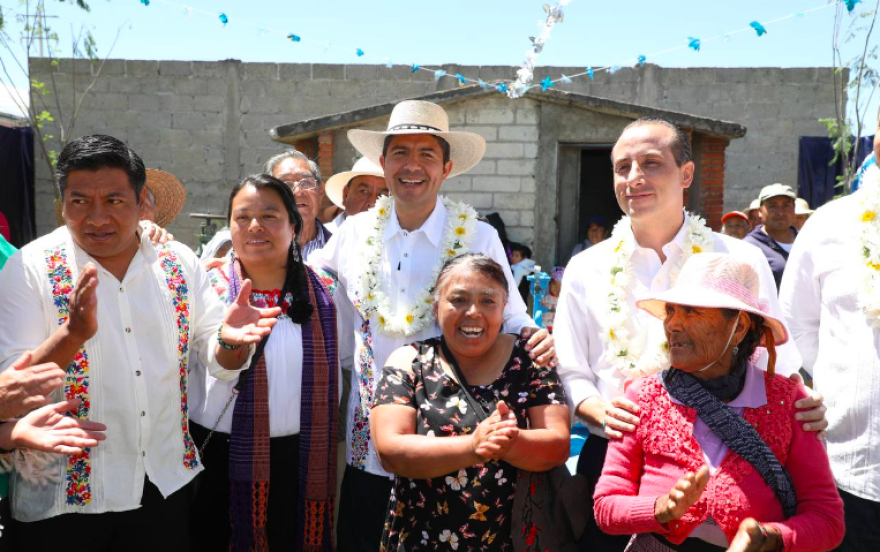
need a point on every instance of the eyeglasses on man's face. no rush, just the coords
(307, 183)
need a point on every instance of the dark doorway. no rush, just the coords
(586, 191)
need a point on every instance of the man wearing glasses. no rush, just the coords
(299, 172)
(304, 178)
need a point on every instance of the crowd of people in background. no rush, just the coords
(157, 400)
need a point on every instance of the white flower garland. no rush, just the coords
(620, 351)
(458, 233)
(869, 224)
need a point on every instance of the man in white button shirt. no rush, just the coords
(830, 300)
(603, 340)
(387, 259)
(124, 317)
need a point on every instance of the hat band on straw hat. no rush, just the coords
(413, 127)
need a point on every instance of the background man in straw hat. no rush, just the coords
(802, 212)
(387, 260)
(356, 190)
(603, 340)
(164, 200)
(830, 300)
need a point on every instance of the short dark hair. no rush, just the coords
(444, 146)
(99, 151)
(476, 262)
(522, 248)
(680, 143)
(260, 181)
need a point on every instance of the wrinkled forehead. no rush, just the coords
(293, 168)
(643, 140)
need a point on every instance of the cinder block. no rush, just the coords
(519, 167)
(504, 150)
(527, 184)
(510, 218)
(295, 71)
(213, 103)
(521, 234)
(475, 200)
(527, 115)
(530, 151)
(260, 71)
(328, 71)
(489, 133)
(135, 68)
(495, 184)
(503, 116)
(175, 68)
(210, 69)
(110, 101)
(484, 167)
(360, 72)
(457, 184)
(143, 102)
(154, 120)
(514, 200)
(175, 103)
(527, 218)
(191, 87)
(520, 133)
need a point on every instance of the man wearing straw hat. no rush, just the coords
(164, 200)
(387, 259)
(604, 342)
(355, 191)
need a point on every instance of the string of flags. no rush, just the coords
(525, 74)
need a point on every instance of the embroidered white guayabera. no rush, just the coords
(458, 233)
(620, 351)
(869, 230)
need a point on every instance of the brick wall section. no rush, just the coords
(712, 180)
(325, 155)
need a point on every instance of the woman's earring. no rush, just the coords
(735, 350)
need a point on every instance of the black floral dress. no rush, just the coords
(468, 510)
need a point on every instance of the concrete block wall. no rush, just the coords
(207, 122)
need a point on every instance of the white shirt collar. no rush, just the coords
(677, 240)
(432, 227)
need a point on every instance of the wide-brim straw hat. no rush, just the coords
(336, 184)
(716, 281)
(419, 117)
(170, 195)
(168, 191)
(801, 207)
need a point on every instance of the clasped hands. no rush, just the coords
(495, 435)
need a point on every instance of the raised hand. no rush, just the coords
(496, 434)
(682, 496)
(83, 320)
(24, 387)
(48, 429)
(243, 323)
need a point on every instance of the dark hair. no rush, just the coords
(752, 338)
(476, 262)
(99, 151)
(680, 143)
(295, 280)
(444, 146)
(522, 248)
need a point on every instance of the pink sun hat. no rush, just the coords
(716, 281)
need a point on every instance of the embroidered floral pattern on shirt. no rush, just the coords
(360, 429)
(76, 386)
(179, 289)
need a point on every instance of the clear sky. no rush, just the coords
(488, 32)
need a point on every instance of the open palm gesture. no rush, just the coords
(243, 323)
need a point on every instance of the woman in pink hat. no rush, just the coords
(718, 461)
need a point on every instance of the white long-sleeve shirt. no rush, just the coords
(135, 385)
(583, 304)
(819, 296)
(405, 270)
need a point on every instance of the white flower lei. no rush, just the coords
(869, 224)
(620, 352)
(458, 233)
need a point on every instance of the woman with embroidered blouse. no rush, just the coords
(456, 475)
(718, 461)
(268, 438)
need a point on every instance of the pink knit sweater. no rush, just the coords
(646, 464)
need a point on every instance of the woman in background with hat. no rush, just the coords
(718, 461)
(355, 191)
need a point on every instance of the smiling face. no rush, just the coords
(261, 228)
(778, 213)
(362, 192)
(101, 212)
(647, 182)
(699, 336)
(470, 311)
(307, 201)
(414, 169)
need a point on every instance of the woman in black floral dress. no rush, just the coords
(456, 475)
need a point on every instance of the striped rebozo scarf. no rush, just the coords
(735, 431)
(249, 476)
